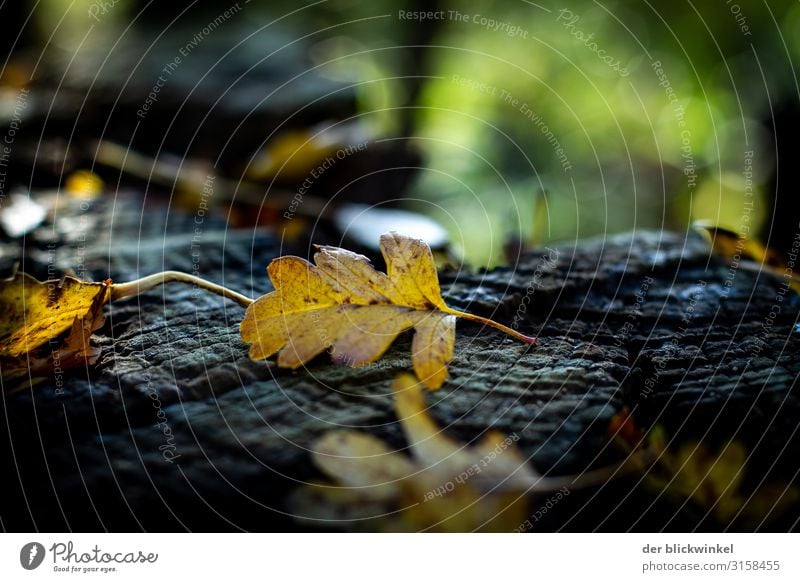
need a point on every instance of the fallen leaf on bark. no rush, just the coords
(745, 252)
(341, 302)
(35, 312)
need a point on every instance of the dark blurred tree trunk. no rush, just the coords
(14, 34)
(783, 190)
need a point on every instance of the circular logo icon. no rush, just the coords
(31, 555)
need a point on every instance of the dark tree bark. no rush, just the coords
(647, 320)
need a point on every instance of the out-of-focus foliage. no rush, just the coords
(712, 480)
(698, 476)
(654, 148)
(546, 120)
(443, 486)
(667, 143)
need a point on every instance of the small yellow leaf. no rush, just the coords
(729, 244)
(84, 184)
(36, 312)
(341, 302)
(735, 247)
(292, 155)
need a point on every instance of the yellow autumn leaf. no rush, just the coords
(293, 155)
(35, 312)
(431, 446)
(341, 302)
(442, 485)
(84, 184)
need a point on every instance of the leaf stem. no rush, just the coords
(133, 288)
(491, 323)
(591, 478)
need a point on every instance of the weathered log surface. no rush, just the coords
(689, 358)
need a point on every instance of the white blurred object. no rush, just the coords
(365, 224)
(20, 215)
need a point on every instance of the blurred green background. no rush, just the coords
(540, 121)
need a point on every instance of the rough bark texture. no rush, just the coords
(689, 358)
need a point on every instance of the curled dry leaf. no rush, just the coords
(728, 244)
(443, 486)
(342, 302)
(746, 252)
(40, 312)
(35, 312)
